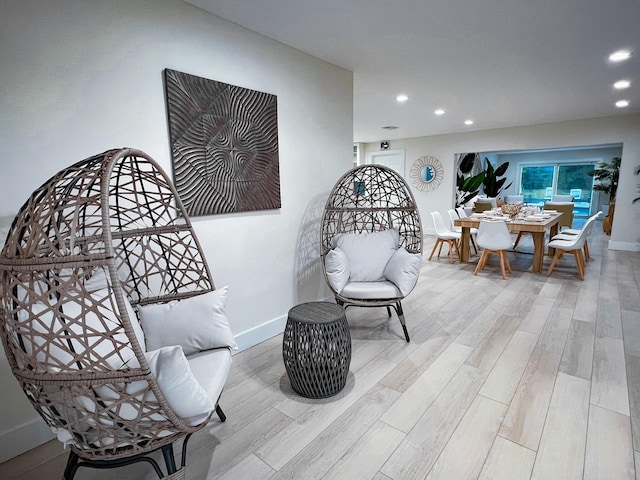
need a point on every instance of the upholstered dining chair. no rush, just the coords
(514, 198)
(575, 246)
(494, 237)
(102, 285)
(562, 198)
(485, 203)
(444, 235)
(454, 215)
(566, 220)
(371, 240)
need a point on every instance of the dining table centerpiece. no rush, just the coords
(511, 209)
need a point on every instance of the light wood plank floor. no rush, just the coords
(534, 377)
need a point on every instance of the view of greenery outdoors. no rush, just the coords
(539, 182)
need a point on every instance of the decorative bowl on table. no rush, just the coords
(511, 209)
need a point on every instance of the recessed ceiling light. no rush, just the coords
(439, 111)
(622, 103)
(468, 122)
(622, 84)
(390, 127)
(402, 98)
(620, 56)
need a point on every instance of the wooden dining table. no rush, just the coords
(537, 229)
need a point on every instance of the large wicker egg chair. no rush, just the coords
(99, 241)
(371, 243)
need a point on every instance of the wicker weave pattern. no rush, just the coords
(316, 348)
(74, 351)
(372, 198)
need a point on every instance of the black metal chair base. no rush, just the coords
(397, 307)
(74, 462)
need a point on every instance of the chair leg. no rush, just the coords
(587, 257)
(72, 466)
(221, 415)
(580, 262)
(557, 255)
(440, 249)
(451, 249)
(506, 260)
(169, 459)
(434, 248)
(402, 320)
(502, 269)
(456, 244)
(482, 261)
(473, 243)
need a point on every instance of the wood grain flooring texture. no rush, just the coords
(528, 378)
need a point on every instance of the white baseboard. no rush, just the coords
(265, 331)
(23, 438)
(260, 333)
(625, 246)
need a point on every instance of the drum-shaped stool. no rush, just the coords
(316, 349)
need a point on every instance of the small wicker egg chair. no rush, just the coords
(367, 199)
(118, 212)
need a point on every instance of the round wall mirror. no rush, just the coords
(426, 173)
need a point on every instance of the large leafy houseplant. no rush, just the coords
(492, 183)
(606, 174)
(467, 184)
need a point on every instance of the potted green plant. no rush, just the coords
(606, 175)
(467, 184)
(492, 183)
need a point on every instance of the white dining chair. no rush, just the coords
(445, 235)
(574, 246)
(494, 237)
(570, 234)
(453, 216)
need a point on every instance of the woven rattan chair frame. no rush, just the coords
(117, 211)
(366, 199)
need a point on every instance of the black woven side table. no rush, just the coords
(316, 348)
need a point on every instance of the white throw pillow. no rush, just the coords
(183, 393)
(337, 268)
(368, 253)
(403, 269)
(197, 323)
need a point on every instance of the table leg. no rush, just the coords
(465, 251)
(538, 251)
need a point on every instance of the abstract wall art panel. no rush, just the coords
(224, 145)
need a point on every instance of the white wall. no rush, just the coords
(624, 129)
(81, 76)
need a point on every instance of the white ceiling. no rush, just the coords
(499, 62)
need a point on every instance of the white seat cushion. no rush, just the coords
(371, 290)
(368, 253)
